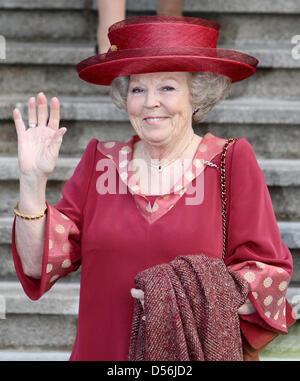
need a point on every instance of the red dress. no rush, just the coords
(105, 224)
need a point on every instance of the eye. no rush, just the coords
(168, 88)
(137, 90)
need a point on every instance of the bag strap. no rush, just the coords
(223, 193)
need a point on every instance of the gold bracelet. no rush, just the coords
(28, 216)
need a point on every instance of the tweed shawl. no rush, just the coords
(191, 312)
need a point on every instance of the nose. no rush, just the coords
(152, 99)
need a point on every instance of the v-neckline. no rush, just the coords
(121, 154)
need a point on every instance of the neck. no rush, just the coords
(170, 151)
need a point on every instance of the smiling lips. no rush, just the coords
(155, 119)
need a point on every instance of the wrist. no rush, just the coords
(32, 199)
(33, 182)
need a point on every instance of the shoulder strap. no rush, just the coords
(223, 194)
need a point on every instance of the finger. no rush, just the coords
(56, 140)
(139, 294)
(61, 131)
(42, 113)
(247, 308)
(32, 118)
(58, 136)
(20, 126)
(54, 114)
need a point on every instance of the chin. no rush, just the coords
(157, 137)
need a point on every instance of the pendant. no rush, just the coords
(160, 168)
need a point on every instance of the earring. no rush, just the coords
(196, 110)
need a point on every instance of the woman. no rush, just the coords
(132, 205)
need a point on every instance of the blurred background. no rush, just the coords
(43, 42)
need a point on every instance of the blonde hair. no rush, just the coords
(207, 90)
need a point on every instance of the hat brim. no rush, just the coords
(101, 69)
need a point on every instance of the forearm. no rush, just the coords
(170, 8)
(30, 234)
(109, 12)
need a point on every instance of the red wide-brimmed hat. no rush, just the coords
(148, 44)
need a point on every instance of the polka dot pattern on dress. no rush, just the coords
(60, 251)
(125, 150)
(109, 144)
(249, 276)
(268, 285)
(60, 228)
(54, 278)
(268, 282)
(49, 268)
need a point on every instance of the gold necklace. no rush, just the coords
(160, 166)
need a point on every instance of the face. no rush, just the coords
(159, 106)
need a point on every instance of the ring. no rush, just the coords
(31, 125)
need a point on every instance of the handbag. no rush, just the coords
(223, 193)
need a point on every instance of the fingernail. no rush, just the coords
(16, 114)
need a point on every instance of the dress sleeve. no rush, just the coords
(255, 249)
(62, 246)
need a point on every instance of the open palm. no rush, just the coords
(38, 148)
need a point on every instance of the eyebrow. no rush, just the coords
(165, 79)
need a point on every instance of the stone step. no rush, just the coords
(266, 139)
(30, 355)
(219, 6)
(100, 108)
(236, 6)
(286, 201)
(272, 55)
(50, 67)
(258, 24)
(290, 232)
(62, 299)
(42, 5)
(282, 178)
(8, 272)
(48, 24)
(48, 53)
(50, 323)
(63, 81)
(267, 145)
(281, 172)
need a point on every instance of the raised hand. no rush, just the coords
(38, 147)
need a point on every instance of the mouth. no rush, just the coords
(155, 119)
